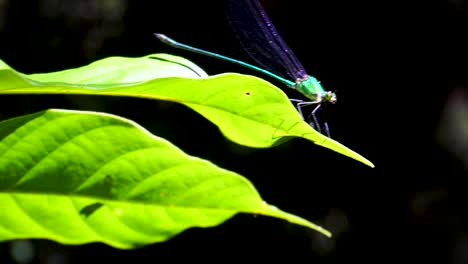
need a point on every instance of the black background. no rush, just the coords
(394, 66)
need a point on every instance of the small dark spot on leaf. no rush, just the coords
(108, 181)
(247, 93)
(90, 209)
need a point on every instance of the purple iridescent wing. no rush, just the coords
(260, 39)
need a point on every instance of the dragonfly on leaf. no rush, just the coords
(260, 39)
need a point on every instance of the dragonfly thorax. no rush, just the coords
(311, 88)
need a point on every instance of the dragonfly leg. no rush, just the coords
(300, 111)
(327, 130)
(302, 104)
(325, 124)
(299, 106)
(316, 123)
(296, 100)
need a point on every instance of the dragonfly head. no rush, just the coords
(329, 97)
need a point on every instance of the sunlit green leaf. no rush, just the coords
(79, 177)
(247, 110)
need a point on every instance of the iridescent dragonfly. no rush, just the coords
(261, 41)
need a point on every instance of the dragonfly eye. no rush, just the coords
(330, 97)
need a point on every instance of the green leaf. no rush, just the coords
(79, 177)
(114, 70)
(247, 109)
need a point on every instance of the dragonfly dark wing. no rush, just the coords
(260, 39)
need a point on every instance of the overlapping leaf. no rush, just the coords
(79, 177)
